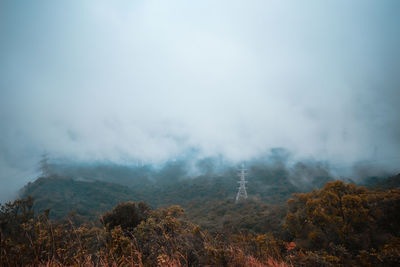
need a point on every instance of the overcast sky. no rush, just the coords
(121, 80)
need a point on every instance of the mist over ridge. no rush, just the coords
(152, 82)
(276, 166)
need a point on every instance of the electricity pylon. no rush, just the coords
(242, 193)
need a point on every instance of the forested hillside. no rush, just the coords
(208, 198)
(338, 225)
(281, 222)
(208, 201)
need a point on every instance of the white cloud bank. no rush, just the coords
(120, 80)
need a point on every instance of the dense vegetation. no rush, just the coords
(130, 235)
(338, 225)
(347, 225)
(89, 191)
(209, 203)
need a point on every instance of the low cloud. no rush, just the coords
(101, 81)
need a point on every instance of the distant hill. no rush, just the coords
(87, 199)
(77, 192)
(383, 183)
(208, 199)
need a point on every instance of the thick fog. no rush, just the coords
(121, 81)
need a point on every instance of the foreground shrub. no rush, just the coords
(127, 215)
(132, 235)
(345, 224)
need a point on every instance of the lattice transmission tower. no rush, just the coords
(242, 193)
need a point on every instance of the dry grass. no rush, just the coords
(239, 258)
(165, 261)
